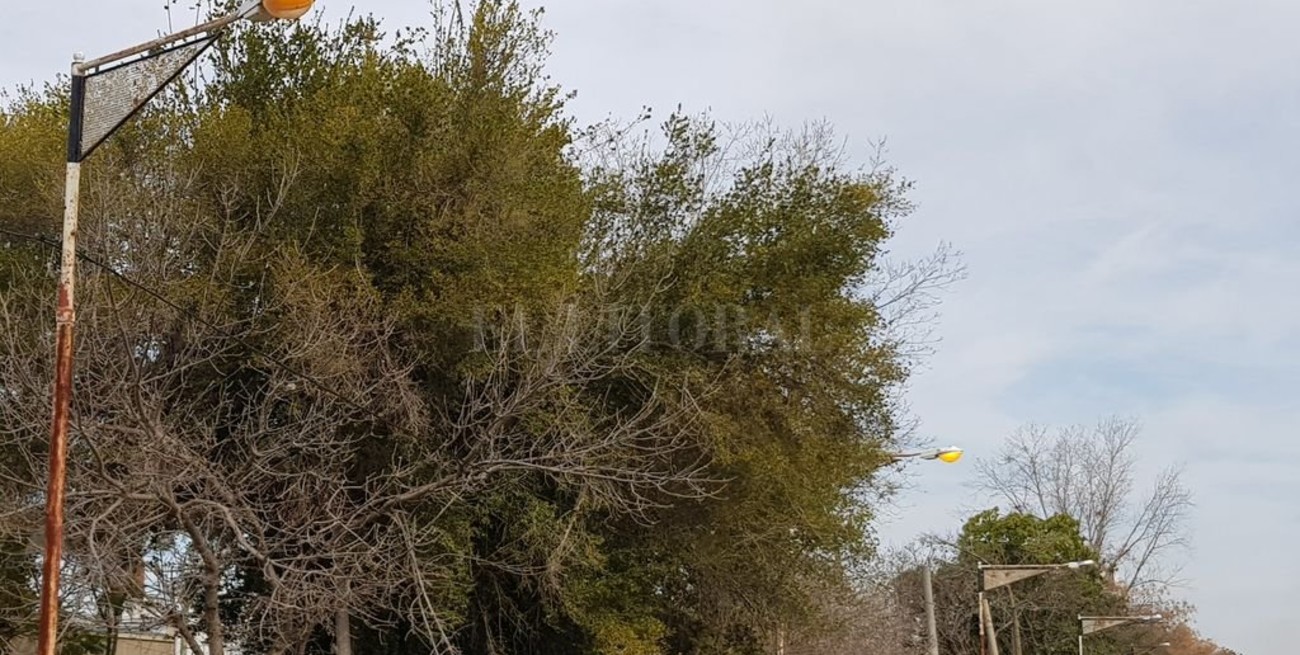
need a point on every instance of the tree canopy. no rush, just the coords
(379, 352)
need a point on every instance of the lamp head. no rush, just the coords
(287, 9)
(949, 455)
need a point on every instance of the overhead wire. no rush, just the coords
(156, 295)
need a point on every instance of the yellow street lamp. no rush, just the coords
(948, 455)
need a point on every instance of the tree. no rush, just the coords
(1089, 474)
(1037, 615)
(286, 441)
(1042, 610)
(869, 619)
(377, 353)
(771, 250)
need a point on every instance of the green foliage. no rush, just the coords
(763, 269)
(430, 182)
(32, 139)
(1018, 538)
(1042, 609)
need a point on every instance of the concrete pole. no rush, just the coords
(1015, 624)
(992, 631)
(930, 625)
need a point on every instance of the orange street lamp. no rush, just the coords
(106, 93)
(287, 9)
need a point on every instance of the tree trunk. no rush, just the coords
(212, 614)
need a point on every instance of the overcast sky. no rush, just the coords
(1119, 174)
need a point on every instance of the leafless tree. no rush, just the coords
(866, 621)
(1090, 474)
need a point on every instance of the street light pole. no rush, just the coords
(988, 631)
(65, 318)
(993, 576)
(931, 627)
(947, 455)
(136, 84)
(1091, 624)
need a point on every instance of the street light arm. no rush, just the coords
(1144, 618)
(1152, 649)
(1030, 567)
(247, 10)
(189, 43)
(993, 576)
(1091, 624)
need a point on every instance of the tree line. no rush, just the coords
(381, 352)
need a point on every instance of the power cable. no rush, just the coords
(272, 359)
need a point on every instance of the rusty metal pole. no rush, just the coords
(65, 317)
(65, 314)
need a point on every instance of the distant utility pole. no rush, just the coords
(993, 576)
(1091, 624)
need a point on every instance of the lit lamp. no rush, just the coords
(287, 9)
(948, 455)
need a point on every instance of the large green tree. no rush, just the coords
(1037, 615)
(375, 343)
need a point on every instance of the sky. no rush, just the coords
(1117, 173)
